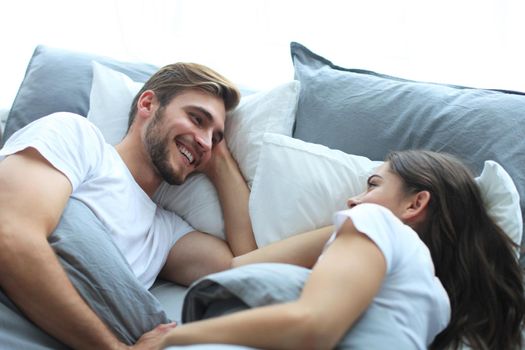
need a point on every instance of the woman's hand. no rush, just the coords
(154, 339)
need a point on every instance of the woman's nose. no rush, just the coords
(353, 201)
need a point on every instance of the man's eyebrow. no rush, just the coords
(209, 116)
(204, 111)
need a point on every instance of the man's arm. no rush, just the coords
(234, 194)
(198, 254)
(33, 195)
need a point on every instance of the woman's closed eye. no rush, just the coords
(373, 181)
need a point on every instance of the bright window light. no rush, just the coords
(467, 42)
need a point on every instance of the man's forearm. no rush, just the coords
(34, 280)
(233, 195)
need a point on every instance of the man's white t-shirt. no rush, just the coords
(99, 178)
(412, 306)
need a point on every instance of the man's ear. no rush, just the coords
(416, 207)
(146, 103)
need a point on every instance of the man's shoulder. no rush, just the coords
(70, 125)
(57, 135)
(64, 117)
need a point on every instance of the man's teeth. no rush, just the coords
(186, 153)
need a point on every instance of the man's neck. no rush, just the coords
(140, 166)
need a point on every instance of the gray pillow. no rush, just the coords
(101, 275)
(58, 80)
(273, 283)
(242, 288)
(370, 114)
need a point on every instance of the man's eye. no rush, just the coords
(217, 138)
(197, 119)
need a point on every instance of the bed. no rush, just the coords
(323, 130)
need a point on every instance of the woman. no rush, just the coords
(376, 259)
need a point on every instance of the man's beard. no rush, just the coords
(157, 147)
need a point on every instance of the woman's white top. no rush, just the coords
(412, 306)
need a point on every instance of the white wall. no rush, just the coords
(469, 42)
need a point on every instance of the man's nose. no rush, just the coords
(204, 140)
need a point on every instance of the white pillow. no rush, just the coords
(501, 199)
(110, 101)
(196, 200)
(270, 111)
(299, 185)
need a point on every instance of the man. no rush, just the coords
(176, 128)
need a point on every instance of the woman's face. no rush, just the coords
(384, 188)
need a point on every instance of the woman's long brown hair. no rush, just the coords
(473, 257)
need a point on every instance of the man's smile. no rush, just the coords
(186, 153)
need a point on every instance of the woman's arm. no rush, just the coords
(340, 288)
(302, 249)
(198, 254)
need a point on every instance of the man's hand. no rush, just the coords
(233, 192)
(219, 154)
(154, 339)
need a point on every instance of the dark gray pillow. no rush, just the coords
(370, 114)
(59, 80)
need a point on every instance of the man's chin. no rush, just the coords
(171, 177)
(174, 182)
